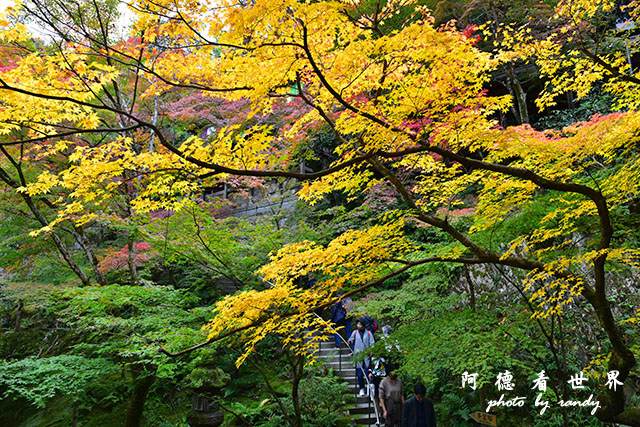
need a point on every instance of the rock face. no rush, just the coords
(206, 381)
(204, 413)
(274, 198)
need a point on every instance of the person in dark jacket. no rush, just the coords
(339, 318)
(418, 411)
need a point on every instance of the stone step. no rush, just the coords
(362, 408)
(353, 383)
(349, 371)
(334, 350)
(363, 400)
(334, 355)
(344, 367)
(336, 365)
(365, 420)
(339, 360)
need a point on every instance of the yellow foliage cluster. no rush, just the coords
(286, 310)
(354, 258)
(283, 311)
(568, 57)
(60, 85)
(634, 320)
(563, 156)
(428, 72)
(553, 294)
(99, 176)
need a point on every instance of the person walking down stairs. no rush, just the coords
(339, 317)
(364, 412)
(361, 339)
(391, 397)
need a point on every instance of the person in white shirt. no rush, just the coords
(361, 339)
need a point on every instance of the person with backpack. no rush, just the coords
(376, 373)
(339, 318)
(370, 323)
(361, 339)
(377, 368)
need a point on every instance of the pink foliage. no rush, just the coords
(468, 33)
(118, 260)
(381, 197)
(453, 214)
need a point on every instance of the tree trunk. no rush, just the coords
(75, 414)
(131, 261)
(82, 240)
(570, 103)
(519, 95)
(297, 367)
(138, 398)
(56, 240)
(621, 359)
(62, 249)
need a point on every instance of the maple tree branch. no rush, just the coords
(139, 65)
(483, 255)
(289, 313)
(4, 176)
(458, 260)
(597, 295)
(211, 340)
(199, 35)
(594, 195)
(137, 80)
(137, 174)
(407, 265)
(212, 166)
(71, 133)
(16, 165)
(108, 49)
(615, 72)
(313, 175)
(238, 283)
(336, 95)
(548, 337)
(622, 359)
(39, 216)
(78, 76)
(528, 175)
(320, 111)
(105, 38)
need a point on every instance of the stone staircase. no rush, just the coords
(363, 413)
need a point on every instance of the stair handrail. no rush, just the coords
(371, 392)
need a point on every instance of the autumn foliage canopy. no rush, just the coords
(406, 105)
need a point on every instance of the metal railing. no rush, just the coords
(369, 388)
